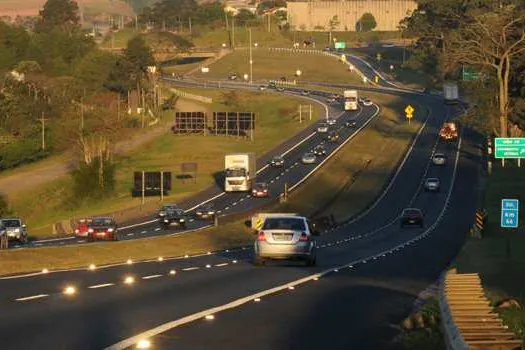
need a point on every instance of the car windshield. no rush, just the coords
(432, 180)
(277, 159)
(261, 186)
(308, 155)
(102, 222)
(12, 223)
(235, 172)
(441, 156)
(322, 126)
(168, 207)
(412, 212)
(294, 224)
(175, 212)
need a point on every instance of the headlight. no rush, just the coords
(110, 230)
(166, 220)
(181, 220)
(198, 213)
(17, 230)
(211, 212)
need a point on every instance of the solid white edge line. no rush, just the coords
(33, 297)
(55, 239)
(151, 276)
(126, 343)
(104, 285)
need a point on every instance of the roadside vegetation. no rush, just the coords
(277, 119)
(498, 256)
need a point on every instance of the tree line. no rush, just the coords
(487, 36)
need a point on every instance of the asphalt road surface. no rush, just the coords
(380, 270)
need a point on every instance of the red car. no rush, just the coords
(260, 190)
(103, 228)
(82, 227)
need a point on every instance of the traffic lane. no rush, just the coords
(351, 250)
(54, 282)
(354, 308)
(95, 318)
(405, 184)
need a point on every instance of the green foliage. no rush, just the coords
(94, 69)
(366, 23)
(245, 17)
(94, 180)
(21, 152)
(231, 98)
(14, 42)
(171, 12)
(139, 54)
(61, 14)
(209, 13)
(334, 23)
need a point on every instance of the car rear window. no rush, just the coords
(294, 224)
(11, 223)
(102, 222)
(412, 212)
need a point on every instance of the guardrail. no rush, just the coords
(191, 96)
(468, 320)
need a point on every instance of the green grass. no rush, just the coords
(277, 120)
(333, 187)
(499, 257)
(118, 39)
(215, 38)
(273, 65)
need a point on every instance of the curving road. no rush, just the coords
(369, 275)
(228, 203)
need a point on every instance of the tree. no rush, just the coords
(139, 54)
(244, 17)
(366, 23)
(334, 23)
(93, 70)
(59, 13)
(491, 40)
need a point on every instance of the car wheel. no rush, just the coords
(23, 239)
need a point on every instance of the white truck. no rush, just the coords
(350, 100)
(240, 170)
(450, 92)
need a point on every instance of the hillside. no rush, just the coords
(15, 8)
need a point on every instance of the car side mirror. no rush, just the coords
(24, 226)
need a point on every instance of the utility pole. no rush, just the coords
(136, 23)
(233, 33)
(189, 24)
(251, 60)
(269, 22)
(43, 122)
(118, 106)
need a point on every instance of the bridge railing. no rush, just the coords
(468, 320)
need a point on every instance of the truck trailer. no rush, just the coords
(240, 170)
(451, 93)
(350, 100)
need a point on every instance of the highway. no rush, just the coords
(369, 275)
(228, 203)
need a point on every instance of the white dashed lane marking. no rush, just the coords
(104, 285)
(33, 297)
(191, 268)
(220, 265)
(151, 276)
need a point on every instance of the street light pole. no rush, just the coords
(251, 60)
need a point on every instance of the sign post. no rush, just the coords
(510, 213)
(509, 147)
(409, 113)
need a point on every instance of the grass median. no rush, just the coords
(356, 175)
(499, 256)
(274, 65)
(231, 235)
(277, 119)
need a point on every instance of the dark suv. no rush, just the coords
(205, 212)
(333, 137)
(175, 217)
(412, 217)
(104, 228)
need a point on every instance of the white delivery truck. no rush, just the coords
(350, 100)
(240, 171)
(450, 92)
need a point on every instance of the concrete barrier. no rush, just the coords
(468, 320)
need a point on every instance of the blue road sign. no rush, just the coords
(510, 213)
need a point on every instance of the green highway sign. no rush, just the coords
(470, 74)
(510, 147)
(340, 45)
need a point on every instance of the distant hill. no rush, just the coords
(13, 8)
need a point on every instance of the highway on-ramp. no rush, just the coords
(368, 275)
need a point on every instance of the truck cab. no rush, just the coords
(240, 171)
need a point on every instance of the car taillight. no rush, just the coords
(304, 237)
(261, 236)
(110, 230)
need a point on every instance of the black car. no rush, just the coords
(277, 161)
(205, 212)
(333, 137)
(319, 150)
(260, 189)
(102, 228)
(350, 124)
(412, 217)
(174, 217)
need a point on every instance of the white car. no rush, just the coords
(323, 128)
(432, 184)
(262, 88)
(308, 158)
(367, 102)
(331, 121)
(439, 159)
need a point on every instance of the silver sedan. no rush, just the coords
(432, 184)
(308, 158)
